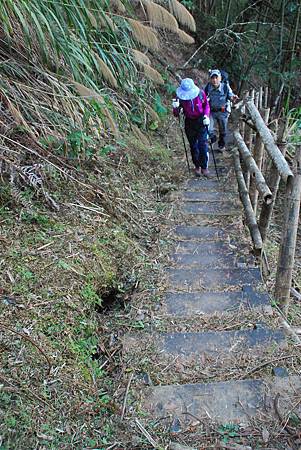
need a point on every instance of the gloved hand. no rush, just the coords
(175, 103)
(206, 121)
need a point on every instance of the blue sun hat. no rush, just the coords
(187, 90)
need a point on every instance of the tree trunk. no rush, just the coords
(289, 238)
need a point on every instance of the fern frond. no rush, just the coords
(106, 72)
(182, 14)
(159, 17)
(19, 196)
(143, 34)
(185, 38)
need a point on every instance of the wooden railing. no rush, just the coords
(260, 164)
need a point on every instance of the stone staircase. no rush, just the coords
(212, 273)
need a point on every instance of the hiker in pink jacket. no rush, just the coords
(194, 104)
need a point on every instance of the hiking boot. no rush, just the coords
(205, 172)
(197, 172)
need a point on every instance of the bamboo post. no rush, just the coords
(245, 199)
(266, 97)
(260, 98)
(253, 168)
(268, 140)
(258, 157)
(256, 100)
(289, 238)
(273, 183)
(248, 137)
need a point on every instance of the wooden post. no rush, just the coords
(260, 98)
(248, 138)
(268, 140)
(245, 199)
(273, 183)
(289, 238)
(258, 157)
(266, 97)
(252, 168)
(256, 100)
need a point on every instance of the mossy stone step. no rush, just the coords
(237, 401)
(208, 196)
(188, 304)
(213, 209)
(217, 279)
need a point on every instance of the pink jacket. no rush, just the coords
(195, 108)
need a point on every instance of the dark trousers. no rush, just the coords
(197, 136)
(219, 119)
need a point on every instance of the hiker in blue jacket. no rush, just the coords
(219, 94)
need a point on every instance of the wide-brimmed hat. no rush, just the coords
(215, 72)
(187, 90)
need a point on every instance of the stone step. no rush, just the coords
(237, 401)
(217, 279)
(188, 304)
(204, 233)
(211, 261)
(204, 184)
(213, 248)
(208, 208)
(208, 196)
(203, 248)
(194, 347)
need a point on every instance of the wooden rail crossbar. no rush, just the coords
(249, 164)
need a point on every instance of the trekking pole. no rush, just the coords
(213, 155)
(184, 143)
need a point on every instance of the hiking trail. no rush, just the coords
(220, 352)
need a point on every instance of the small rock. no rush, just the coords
(140, 315)
(147, 379)
(265, 435)
(280, 372)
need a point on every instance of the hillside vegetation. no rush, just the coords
(88, 161)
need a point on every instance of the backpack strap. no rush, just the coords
(201, 95)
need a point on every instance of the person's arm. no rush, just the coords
(206, 106)
(231, 96)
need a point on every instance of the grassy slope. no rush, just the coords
(58, 376)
